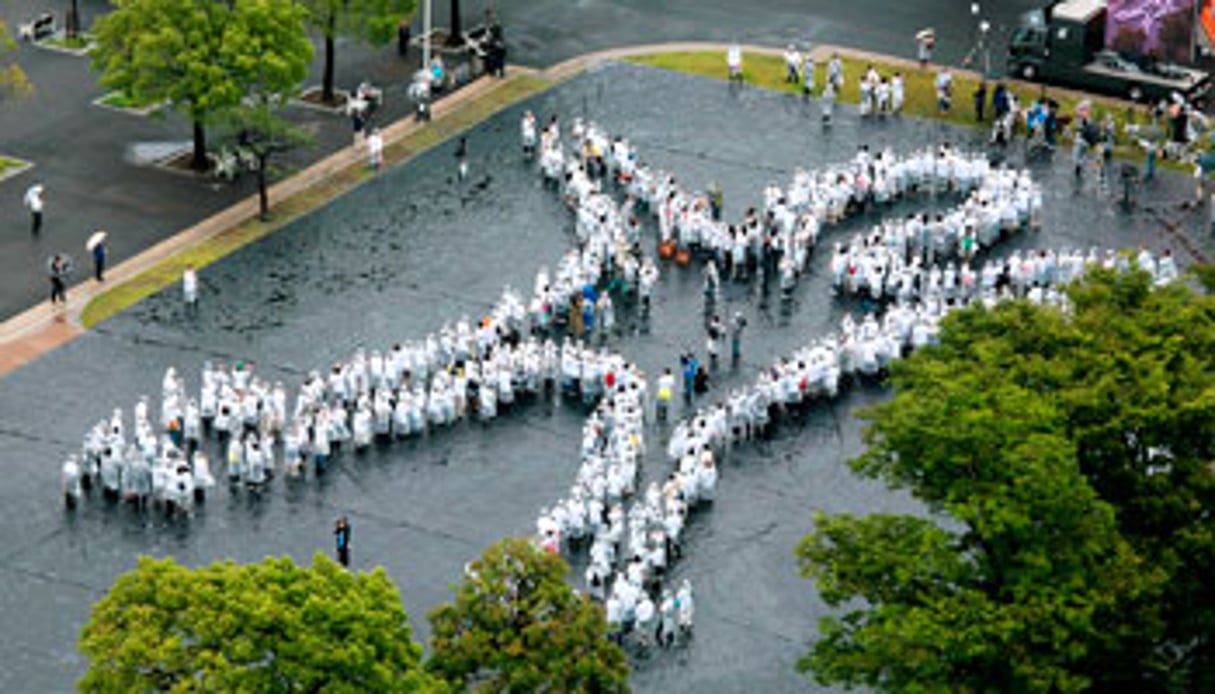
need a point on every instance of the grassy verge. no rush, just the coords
(169, 270)
(7, 164)
(768, 72)
(120, 99)
(78, 43)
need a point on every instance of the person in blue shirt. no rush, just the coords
(341, 534)
(99, 261)
(689, 366)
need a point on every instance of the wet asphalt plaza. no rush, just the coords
(397, 258)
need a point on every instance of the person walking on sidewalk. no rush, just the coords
(58, 271)
(99, 254)
(341, 534)
(33, 201)
(375, 149)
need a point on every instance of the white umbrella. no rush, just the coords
(94, 240)
(925, 34)
(33, 192)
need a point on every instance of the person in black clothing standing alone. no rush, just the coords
(58, 270)
(342, 534)
(462, 158)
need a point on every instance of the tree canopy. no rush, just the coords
(258, 127)
(516, 625)
(272, 626)
(372, 21)
(13, 81)
(1067, 459)
(201, 57)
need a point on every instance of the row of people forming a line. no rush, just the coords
(359, 403)
(791, 221)
(331, 412)
(866, 349)
(608, 253)
(882, 274)
(647, 535)
(234, 401)
(149, 469)
(253, 415)
(789, 228)
(1006, 202)
(631, 551)
(607, 263)
(631, 539)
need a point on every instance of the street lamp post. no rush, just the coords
(426, 36)
(981, 45)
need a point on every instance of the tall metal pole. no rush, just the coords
(426, 36)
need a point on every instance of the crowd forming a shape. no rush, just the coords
(918, 267)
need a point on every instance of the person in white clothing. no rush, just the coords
(33, 201)
(375, 149)
(734, 61)
(189, 287)
(793, 63)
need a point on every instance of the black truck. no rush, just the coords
(1064, 44)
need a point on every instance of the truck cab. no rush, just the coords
(1056, 42)
(1064, 44)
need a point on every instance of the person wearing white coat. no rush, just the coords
(71, 482)
(189, 287)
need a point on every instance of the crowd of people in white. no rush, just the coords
(526, 348)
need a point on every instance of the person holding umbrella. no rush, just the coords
(59, 266)
(33, 201)
(926, 40)
(96, 245)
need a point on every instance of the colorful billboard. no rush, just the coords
(1163, 29)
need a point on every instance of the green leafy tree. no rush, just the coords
(272, 626)
(257, 124)
(372, 21)
(258, 128)
(517, 626)
(13, 81)
(202, 57)
(1069, 456)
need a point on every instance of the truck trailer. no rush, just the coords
(1064, 44)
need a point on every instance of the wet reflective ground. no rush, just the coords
(394, 260)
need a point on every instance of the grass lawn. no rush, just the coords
(7, 165)
(80, 42)
(122, 100)
(768, 72)
(168, 271)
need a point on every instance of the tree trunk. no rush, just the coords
(327, 80)
(199, 162)
(73, 20)
(263, 195)
(456, 36)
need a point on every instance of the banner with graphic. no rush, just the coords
(1163, 29)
